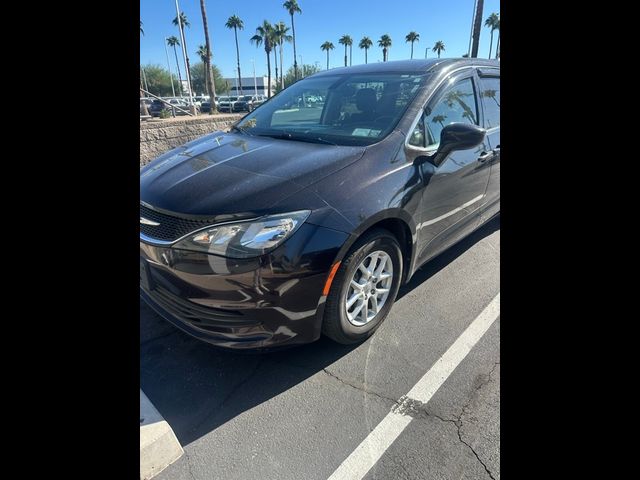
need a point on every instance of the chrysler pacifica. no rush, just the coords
(306, 217)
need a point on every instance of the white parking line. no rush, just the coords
(380, 439)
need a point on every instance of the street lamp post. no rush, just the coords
(184, 52)
(169, 65)
(255, 82)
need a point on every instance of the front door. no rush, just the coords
(455, 189)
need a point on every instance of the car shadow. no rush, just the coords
(198, 388)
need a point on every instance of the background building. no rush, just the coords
(249, 87)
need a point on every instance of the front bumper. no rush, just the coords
(273, 300)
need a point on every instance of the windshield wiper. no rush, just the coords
(301, 138)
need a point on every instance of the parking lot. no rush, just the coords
(301, 413)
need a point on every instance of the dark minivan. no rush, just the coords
(305, 219)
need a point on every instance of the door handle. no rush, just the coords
(484, 156)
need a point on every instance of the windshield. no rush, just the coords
(346, 109)
(233, 99)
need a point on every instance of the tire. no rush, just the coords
(336, 324)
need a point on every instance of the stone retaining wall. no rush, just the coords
(158, 136)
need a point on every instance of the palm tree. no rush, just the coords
(326, 46)
(264, 36)
(141, 29)
(292, 7)
(438, 47)
(439, 119)
(412, 37)
(281, 32)
(347, 42)
(498, 44)
(385, 43)
(236, 23)
(172, 42)
(477, 25)
(202, 53)
(491, 22)
(207, 64)
(181, 23)
(366, 44)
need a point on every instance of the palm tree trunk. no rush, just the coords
(498, 46)
(235, 30)
(365, 55)
(345, 54)
(477, 26)
(327, 59)
(275, 61)
(412, 50)
(207, 65)
(178, 66)
(350, 55)
(281, 70)
(268, 74)
(295, 53)
(491, 43)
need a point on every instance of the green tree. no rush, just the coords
(181, 23)
(412, 37)
(347, 42)
(326, 46)
(237, 24)
(438, 47)
(292, 7)
(281, 35)
(385, 43)
(198, 77)
(492, 22)
(264, 36)
(158, 80)
(172, 42)
(202, 53)
(290, 75)
(143, 106)
(366, 44)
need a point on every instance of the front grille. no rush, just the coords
(171, 228)
(195, 314)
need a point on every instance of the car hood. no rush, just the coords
(227, 175)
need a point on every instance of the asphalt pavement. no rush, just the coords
(299, 413)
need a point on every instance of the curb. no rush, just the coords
(159, 446)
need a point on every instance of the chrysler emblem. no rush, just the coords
(146, 221)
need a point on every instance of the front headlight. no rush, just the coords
(245, 239)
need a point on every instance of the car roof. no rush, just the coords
(405, 66)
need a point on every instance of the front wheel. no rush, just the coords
(364, 288)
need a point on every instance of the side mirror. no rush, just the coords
(458, 136)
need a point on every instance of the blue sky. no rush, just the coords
(321, 20)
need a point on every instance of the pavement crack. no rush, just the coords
(459, 422)
(359, 387)
(188, 459)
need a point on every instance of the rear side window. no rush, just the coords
(490, 95)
